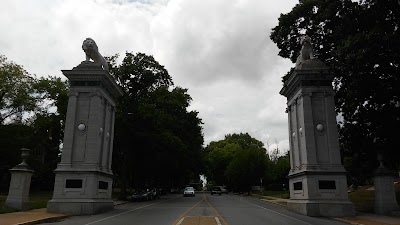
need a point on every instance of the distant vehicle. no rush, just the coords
(223, 190)
(216, 190)
(188, 191)
(155, 193)
(141, 195)
(174, 190)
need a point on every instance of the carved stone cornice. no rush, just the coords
(299, 79)
(89, 74)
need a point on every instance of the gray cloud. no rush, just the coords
(219, 50)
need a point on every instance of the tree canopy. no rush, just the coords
(157, 138)
(16, 91)
(32, 116)
(359, 41)
(238, 161)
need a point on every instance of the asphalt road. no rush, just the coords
(203, 209)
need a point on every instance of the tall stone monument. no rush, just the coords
(83, 182)
(317, 179)
(18, 194)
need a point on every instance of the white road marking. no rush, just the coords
(217, 220)
(180, 221)
(127, 212)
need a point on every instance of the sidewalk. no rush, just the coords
(359, 219)
(35, 216)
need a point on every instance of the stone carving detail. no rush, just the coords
(306, 52)
(91, 50)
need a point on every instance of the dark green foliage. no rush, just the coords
(32, 116)
(278, 169)
(48, 126)
(16, 92)
(13, 137)
(158, 142)
(238, 161)
(360, 42)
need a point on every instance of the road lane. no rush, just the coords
(199, 210)
(239, 210)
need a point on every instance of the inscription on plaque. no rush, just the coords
(327, 184)
(73, 183)
(298, 186)
(103, 185)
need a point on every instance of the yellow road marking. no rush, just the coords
(189, 220)
(183, 214)
(216, 212)
(198, 220)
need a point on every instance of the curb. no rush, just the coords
(45, 220)
(334, 218)
(56, 218)
(346, 221)
(270, 201)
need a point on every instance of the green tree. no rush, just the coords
(238, 161)
(278, 169)
(13, 137)
(219, 155)
(359, 42)
(48, 126)
(32, 114)
(16, 92)
(156, 138)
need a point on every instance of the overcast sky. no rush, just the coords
(218, 49)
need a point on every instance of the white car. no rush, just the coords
(188, 191)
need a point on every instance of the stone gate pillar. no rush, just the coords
(18, 194)
(317, 179)
(83, 182)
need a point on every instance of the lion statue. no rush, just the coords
(306, 51)
(91, 50)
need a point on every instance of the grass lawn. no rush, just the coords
(3, 208)
(37, 200)
(277, 194)
(363, 199)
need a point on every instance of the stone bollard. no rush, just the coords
(385, 193)
(18, 194)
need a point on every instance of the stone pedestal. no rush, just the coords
(83, 183)
(317, 179)
(18, 194)
(385, 193)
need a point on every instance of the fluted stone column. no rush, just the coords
(83, 183)
(317, 179)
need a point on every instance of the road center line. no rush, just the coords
(183, 214)
(274, 211)
(216, 212)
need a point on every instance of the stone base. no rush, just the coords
(17, 203)
(328, 208)
(385, 195)
(79, 206)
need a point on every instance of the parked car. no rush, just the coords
(188, 191)
(223, 190)
(216, 190)
(141, 195)
(155, 193)
(174, 190)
